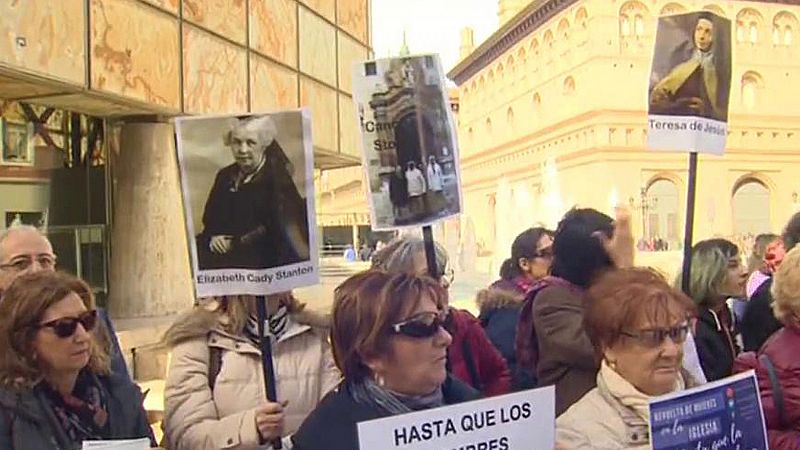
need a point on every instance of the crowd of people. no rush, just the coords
(570, 309)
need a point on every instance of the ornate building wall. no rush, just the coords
(553, 114)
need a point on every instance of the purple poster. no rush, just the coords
(724, 415)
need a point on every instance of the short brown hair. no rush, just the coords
(22, 307)
(365, 306)
(623, 297)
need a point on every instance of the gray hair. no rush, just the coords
(15, 229)
(709, 269)
(267, 130)
(398, 255)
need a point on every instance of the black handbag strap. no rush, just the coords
(214, 366)
(777, 390)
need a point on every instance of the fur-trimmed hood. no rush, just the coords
(495, 298)
(200, 321)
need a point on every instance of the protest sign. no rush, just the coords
(117, 444)
(725, 414)
(409, 148)
(690, 83)
(248, 197)
(514, 421)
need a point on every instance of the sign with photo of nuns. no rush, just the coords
(690, 84)
(408, 136)
(248, 197)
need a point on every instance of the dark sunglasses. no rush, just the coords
(66, 326)
(654, 338)
(422, 325)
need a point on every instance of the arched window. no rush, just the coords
(535, 46)
(660, 206)
(510, 118)
(569, 85)
(490, 77)
(783, 26)
(521, 55)
(751, 82)
(500, 71)
(631, 19)
(510, 63)
(581, 17)
(548, 38)
(469, 135)
(751, 207)
(488, 125)
(563, 29)
(748, 23)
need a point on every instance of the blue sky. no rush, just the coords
(431, 26)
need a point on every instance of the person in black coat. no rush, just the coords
(759, 322)
(717, 275)
(56, 387)
(254, 217)
(390, 345)
(398, 192)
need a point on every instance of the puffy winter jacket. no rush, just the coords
(783, 351)
(199, 418)
(499, 314)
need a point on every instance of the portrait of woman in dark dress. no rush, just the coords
(254, 217)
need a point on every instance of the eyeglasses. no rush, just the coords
(654, 338)
(422, 325)
(21, 264)
(66, 326)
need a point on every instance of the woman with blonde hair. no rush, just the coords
(777, 363)
(56, 388)
(214, 395)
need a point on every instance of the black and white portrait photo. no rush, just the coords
(690, 79)
(409, 150)
(248, 196)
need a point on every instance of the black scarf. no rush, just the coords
(82, 415)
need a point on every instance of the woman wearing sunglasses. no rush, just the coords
(390, 344)
(637, 324)
(56, 389)
(472, 358)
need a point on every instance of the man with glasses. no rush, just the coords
(24, 249)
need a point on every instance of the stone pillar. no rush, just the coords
(150, 273)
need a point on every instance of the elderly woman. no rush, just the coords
(56, 389)
(254, 217)
(214, 394)
(472, 357)
(717, 275)
(777, 363)
(637, 324)
(390, 344)
(551, 342)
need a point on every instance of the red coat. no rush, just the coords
(468, 335)
(783, 349)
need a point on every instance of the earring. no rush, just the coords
(611, 364)
(379, 380)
